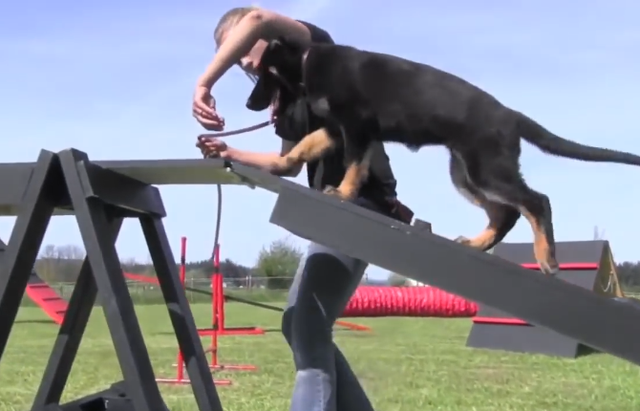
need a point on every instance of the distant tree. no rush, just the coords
(279, 263)
(397, 280)
(131, 265)
(47, 263)
(60, 263)
(236, 275)
(203, 268)
(629, 275)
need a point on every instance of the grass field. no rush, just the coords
(405, 364)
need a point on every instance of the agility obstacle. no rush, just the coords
(42, 295)
(216, 330)
(219, 299)
(416, 301)
(586, 264)
(100, 198)
(46, 298)
(102, 194)
(218, 302)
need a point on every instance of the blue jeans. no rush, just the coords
(322, 287)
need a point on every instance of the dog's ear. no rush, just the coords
(271, 57)
(279, 43)
(287, 44)
(263, 93)
(275, 47)
(274, 56)
(280, 48)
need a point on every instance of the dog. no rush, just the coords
(365, 96)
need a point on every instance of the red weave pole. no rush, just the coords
(215, 325)
(219, 297)
(183, 260)
(214, 343)
(218, 290)
(220, 301)
(180, 379)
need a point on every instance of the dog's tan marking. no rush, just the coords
(354, 176)
(310, 148)
(541, 249)
(496, 216)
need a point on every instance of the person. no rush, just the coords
(326, 279)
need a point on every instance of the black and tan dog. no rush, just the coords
(366, 96)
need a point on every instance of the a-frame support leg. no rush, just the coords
(180, 314)
(166, 268)
(117, 305)
(41, 195)
(71, 331)
(100, 199)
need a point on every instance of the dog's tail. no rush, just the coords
(550, 143)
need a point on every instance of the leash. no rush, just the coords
(241, 130)
(236, 132)
(215, 253)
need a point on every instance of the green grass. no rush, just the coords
(405, 364)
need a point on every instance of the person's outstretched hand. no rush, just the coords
(204, 110)
(211, 147)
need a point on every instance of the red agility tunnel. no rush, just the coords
(370, 301)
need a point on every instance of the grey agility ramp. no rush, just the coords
(605, 324)
(102, 194)
(14, 177)
(586, 264)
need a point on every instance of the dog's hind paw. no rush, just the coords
(462, 240)
(550, 270)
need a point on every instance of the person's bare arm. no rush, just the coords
(258, 24)
(264, 161)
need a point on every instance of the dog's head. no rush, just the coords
(280, 75)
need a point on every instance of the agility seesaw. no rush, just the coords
(101, 194)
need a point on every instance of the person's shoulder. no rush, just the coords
(318, 35)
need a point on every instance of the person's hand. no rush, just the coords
(211, 147)
(204, 110)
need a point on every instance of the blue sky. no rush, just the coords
(115, 79)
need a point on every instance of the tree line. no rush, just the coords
(274, 268)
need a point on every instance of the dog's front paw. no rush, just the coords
(462, 240)
(333, 191)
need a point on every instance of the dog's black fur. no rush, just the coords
(366, 96)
